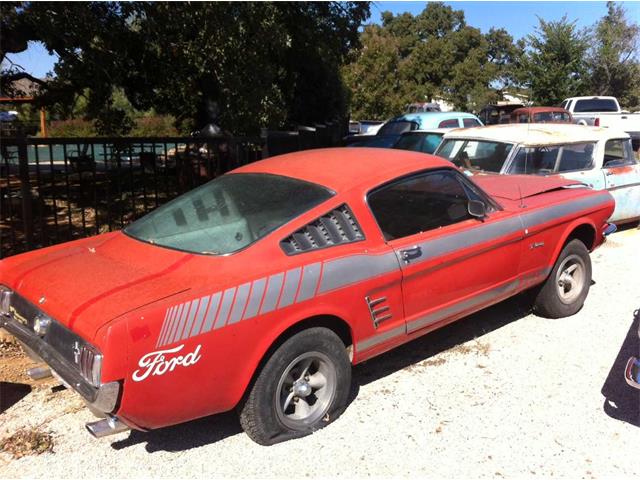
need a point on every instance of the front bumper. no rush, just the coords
(101, 400)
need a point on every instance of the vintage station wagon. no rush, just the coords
(259, 290)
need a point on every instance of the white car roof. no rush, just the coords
(432, 130)
(534, 134)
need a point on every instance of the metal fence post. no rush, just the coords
(25, 190)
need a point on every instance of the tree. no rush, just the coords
(434, 54)
(613, 59)
(554, 65)
(242, 65)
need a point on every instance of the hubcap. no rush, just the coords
(570, 279)
(306, 390)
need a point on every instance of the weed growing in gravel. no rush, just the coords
(27, 441)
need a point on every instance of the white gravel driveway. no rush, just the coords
(500, 394)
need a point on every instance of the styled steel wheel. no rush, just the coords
(306, 390)
(302, 386)
(567, 287)
(570, 278)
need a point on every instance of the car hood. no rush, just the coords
(516, 187)
(87, 283)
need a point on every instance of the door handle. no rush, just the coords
(411, 253)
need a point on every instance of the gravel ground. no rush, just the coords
(500, 394)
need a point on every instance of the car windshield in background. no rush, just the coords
(552, 159)
(397, 127)
(595, 105)
(228, 213)
(482, 155)
(545, 117)
(419, 142)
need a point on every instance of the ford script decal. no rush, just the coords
(157, 363)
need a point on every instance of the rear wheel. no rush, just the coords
(565, 290)
(302, 387)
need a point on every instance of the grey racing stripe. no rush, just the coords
(380, 338)
(192, 314)
(291, 282)
(310, 277)
(202, 309)
(211, 314)
(172, 321)
(548, 214)
(164, 326)
(225, 307)
(257, 290)
(356, 268)
(172, 315)
(273, 293)
(460, 307)
(179, 323)
(240, 303)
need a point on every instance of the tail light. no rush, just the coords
(597, 122)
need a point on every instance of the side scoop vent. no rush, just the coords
(337, 227)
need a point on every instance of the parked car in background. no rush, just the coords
(541, 115)
(365, 127)
(390, 132)
(604, 112)
(601, 158)
(497, 114)
(259, 290)
(419, 107)
(424, 141)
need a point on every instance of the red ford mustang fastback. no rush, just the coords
(260, 289)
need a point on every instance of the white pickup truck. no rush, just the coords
(604, 112)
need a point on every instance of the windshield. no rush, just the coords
(419, 142)
(397, 127)
(552, 159)
(596, 105)
(550, 117)
(228, 213)
(475, 154)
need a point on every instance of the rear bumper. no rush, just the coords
(101, 400)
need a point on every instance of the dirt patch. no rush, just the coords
(27, 441)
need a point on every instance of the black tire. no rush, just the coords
(262, 413)
(562, 295)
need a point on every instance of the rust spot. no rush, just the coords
(621, 170)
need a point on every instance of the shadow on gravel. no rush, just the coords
(442, 339)
(12, 393)
(622, 402)
(185, 436)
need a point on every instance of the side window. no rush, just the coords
(523, 118)
(451, 123)
(617, 153)
(470, 122)
(419, 203)
(578, 156)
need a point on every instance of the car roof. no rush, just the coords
(431, 130)
(418, 116)
(342, 169)
(532, 134)
(601, 97)
(538, 110)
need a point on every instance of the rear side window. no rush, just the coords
(470, 122)
(552, 159)
(475, 154)
(419, 203)
(451, 123)
(523, 118)
(617, 153)
(398, 127)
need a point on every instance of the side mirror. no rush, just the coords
(477, 209)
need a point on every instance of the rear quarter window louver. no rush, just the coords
(337, 227)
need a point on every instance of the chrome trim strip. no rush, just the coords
(225, 308)
(240, 303)
(380, 338)
(257, 292)
(464, 305)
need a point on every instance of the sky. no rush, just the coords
(518, 18)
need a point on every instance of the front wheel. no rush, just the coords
(302, 387)
(565, 290)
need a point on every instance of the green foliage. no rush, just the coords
(554, 66)
(613, 59)
(434, 54)
(244, 65)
